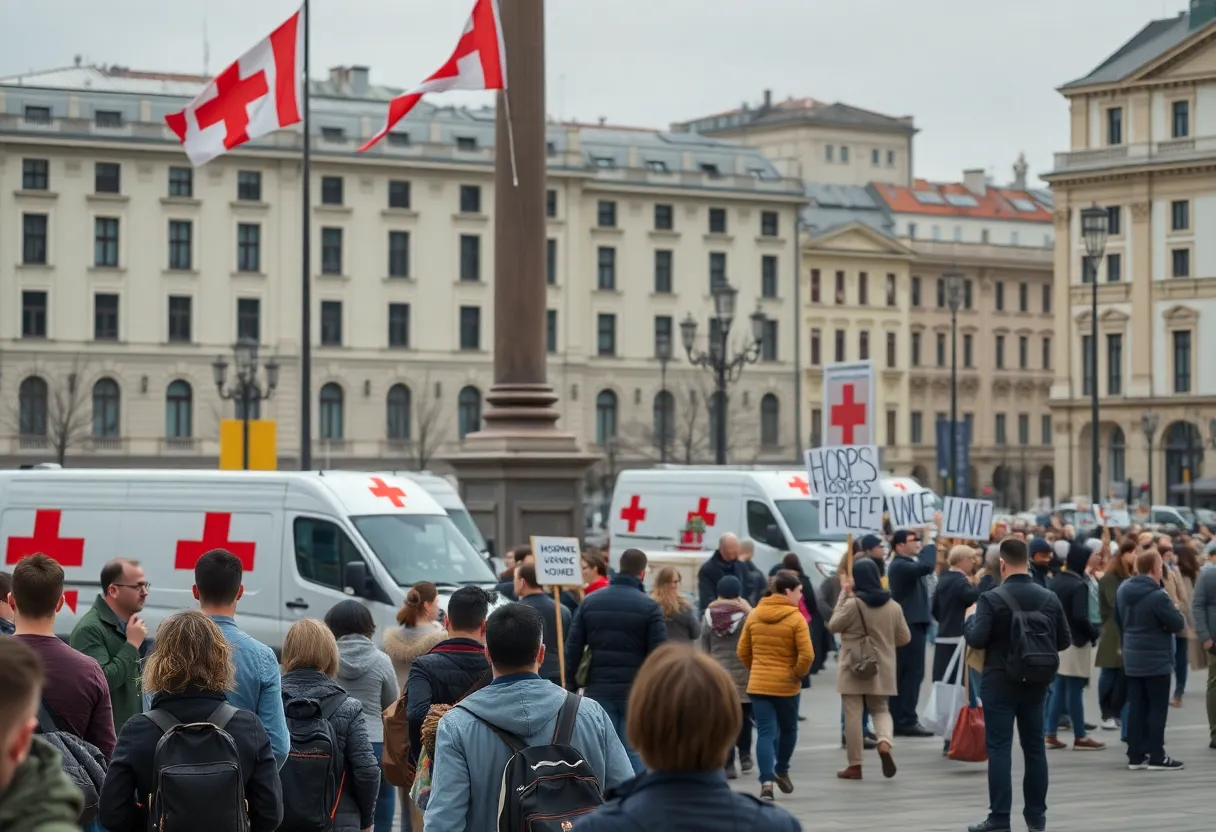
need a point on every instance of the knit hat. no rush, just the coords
(870, 541)
(1038, 545)
(729, 587)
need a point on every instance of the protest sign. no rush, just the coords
(844, 479)
(912, 510)
(966, 519)
(557, 561)
(848, 403)
(1115, 515)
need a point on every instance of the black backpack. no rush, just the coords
(545, 787)
(1032, 658)
(313, 775)
(82, 761)
(197, 784)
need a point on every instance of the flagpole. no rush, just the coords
(506, 101)
(306, 271)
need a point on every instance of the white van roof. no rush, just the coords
(435, 485)
(780, 484)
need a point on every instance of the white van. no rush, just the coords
(308, 539)
(444, 492)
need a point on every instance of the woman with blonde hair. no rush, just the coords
(310, 662)
(189, 677)
(683, 625)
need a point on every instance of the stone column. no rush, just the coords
(520, 475)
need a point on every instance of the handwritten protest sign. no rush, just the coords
(844, 479)
(911, 510)
(1115, 515)
(965, 519)
(557, 561)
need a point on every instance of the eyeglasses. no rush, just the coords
(142, 586)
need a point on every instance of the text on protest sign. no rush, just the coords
(910, 511)
(844, 480)
(557, 561)
(967, 519)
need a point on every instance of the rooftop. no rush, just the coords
(973, 198)
(795, 111)
(1150, 43)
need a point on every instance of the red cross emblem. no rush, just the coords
(233, 95)
(800, 484)
(68, 551)
(703, 513)
(70, 598)
(215, 536)
(389, 492)
(899, 485)
(848, 415)
(633, 513)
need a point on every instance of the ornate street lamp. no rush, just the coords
(1093, 230)
(954, 299)
(662, 351)
(1148, 424)
(246, 387)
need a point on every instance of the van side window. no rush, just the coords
(759, 518)
(322, 551)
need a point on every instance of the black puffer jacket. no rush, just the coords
(1073, 593)
(452, 670)
(620, 624)
(713, 570)
(357, 805)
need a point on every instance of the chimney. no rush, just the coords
(77, 60)
(1020, 169)
(975, 181)
(768, 99)
(358, 80)
(1203, 12)
(337, 76)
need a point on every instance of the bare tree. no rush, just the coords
(432, 429)
(54, 408)
(689, 436)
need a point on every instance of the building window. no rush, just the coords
(999, 296)
(105, 242)
(470, 199)
(397, 406)
(769, 225)
(967, 294)
(37, 115)
(606, 269)
(892, 437)
(890, 158)
(470, 258)
(332, 412)
(1045, 428)
(331, 323)
(331, 251)
(249, 185)
(1046, 352)
(1023, 297)
(915, 291)
(1114, 268)
(841, 298)
(551, 261)
(941, 349)
(33, 239)
(105, 317)
(606, 214)
(1001, 437)
(1114, 365)
(551, 330)
(844, 154)
(1046, 298)
(1000, 352)
(551, 203)
(815, 346)
(1114, 220)
(35, 175)
(1182, 361)
(1181, 119)
(1023, 352)
(180, 318)
(470, 327)
(663, 332)
(1114, 126)
(911, 231)
(398, 254)
(968, 351)
(863, 345)
(399, 325)
(829, 152)
(1180, 215)
(662, 272)
(107, 178)
(106, 398)
(32, 404)
(399, 195)
(249, 319)
(181, 182)
(839, 345)
(770, 421)
(941, 293)
(466, 144)
(717, 269)
(768, 276)
(1087, 364)
(814, 285)
(605, 333)
(181, 245)
(1023, 428)
(248, 247)
(468, 411)
(33, 314)
(768, 343)
(917, 427)
(717, 220)
(663, 218)
(605, 417)
(1180, 259)
(331, 190)
(863, 289)
(179, 410)
(915, 357)
(891, 346)
(891, 300)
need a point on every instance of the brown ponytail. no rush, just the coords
(423, 592)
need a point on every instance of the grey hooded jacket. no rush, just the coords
(1203, 605)
(367, 674)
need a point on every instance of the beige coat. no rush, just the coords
(887, 629)
(404, 644)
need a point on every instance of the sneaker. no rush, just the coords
(1140, 766)
(1109, 724)
(766, 791)
(1212, 744)
(745, 763)
(1053, 743)
(1165, 764)
(732, 773)
(785, 783)
(1088, 744)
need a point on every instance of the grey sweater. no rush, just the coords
(1203, 605)
(367, 674)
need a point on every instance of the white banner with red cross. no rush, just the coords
(848, 404)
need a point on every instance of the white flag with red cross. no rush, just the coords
(848, 404)
(261, 93)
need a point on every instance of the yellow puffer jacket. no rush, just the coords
(776, 647)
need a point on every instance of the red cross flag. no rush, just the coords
(848, 404)
(257, 95)
(479, 63)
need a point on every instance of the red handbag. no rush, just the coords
(967, 743)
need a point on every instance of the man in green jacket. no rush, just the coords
(113, 633)
(36, 795)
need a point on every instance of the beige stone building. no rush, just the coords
(1142, 146)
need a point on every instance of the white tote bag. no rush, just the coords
(947, 696)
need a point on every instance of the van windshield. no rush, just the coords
(467, 528)
(802, 516)
(417, 547)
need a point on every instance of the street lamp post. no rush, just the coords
(246, 388)
(726, 368)
(954, 299)
(1093, 231)
(1148, 424)
(662, 351)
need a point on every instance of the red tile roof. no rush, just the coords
(993, 204)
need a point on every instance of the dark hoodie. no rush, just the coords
(1073, 592)
(712, 571)
(1149, 622)
(40, 797)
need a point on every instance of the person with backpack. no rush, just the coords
(1022, 628)
(1067, 695)
(366, 673)
(331, 774)
(720, 632)
(193, 763)
(515, 731)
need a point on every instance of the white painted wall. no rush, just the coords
(1095, 124)
(1203, 209)
(1159, 127)
(1204, 117)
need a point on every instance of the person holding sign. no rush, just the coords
(529, 593)
(905, 577)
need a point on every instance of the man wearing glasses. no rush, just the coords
(113, 633)
(905, 577)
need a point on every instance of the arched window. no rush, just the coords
(179, 410)
(331, 411)
(468, 406)
(664, 418)
(1118, 456)
(605, 417)
(398, 406)
(105, 408)
(770, 421)
(1047, 481)
(32, 397)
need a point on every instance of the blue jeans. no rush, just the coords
(1180, 666)
(616, 714)
(1067, 695)
(1005, 704)
(386, 799)
(776, 733)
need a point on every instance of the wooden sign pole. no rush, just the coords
(849, 554)
(561, 647)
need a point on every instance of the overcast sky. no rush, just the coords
(979, 76)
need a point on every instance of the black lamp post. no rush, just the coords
(954, 299)
(725, 368)
(1148, 424)
(1093, 231)
(246, 388)
(662, 351)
